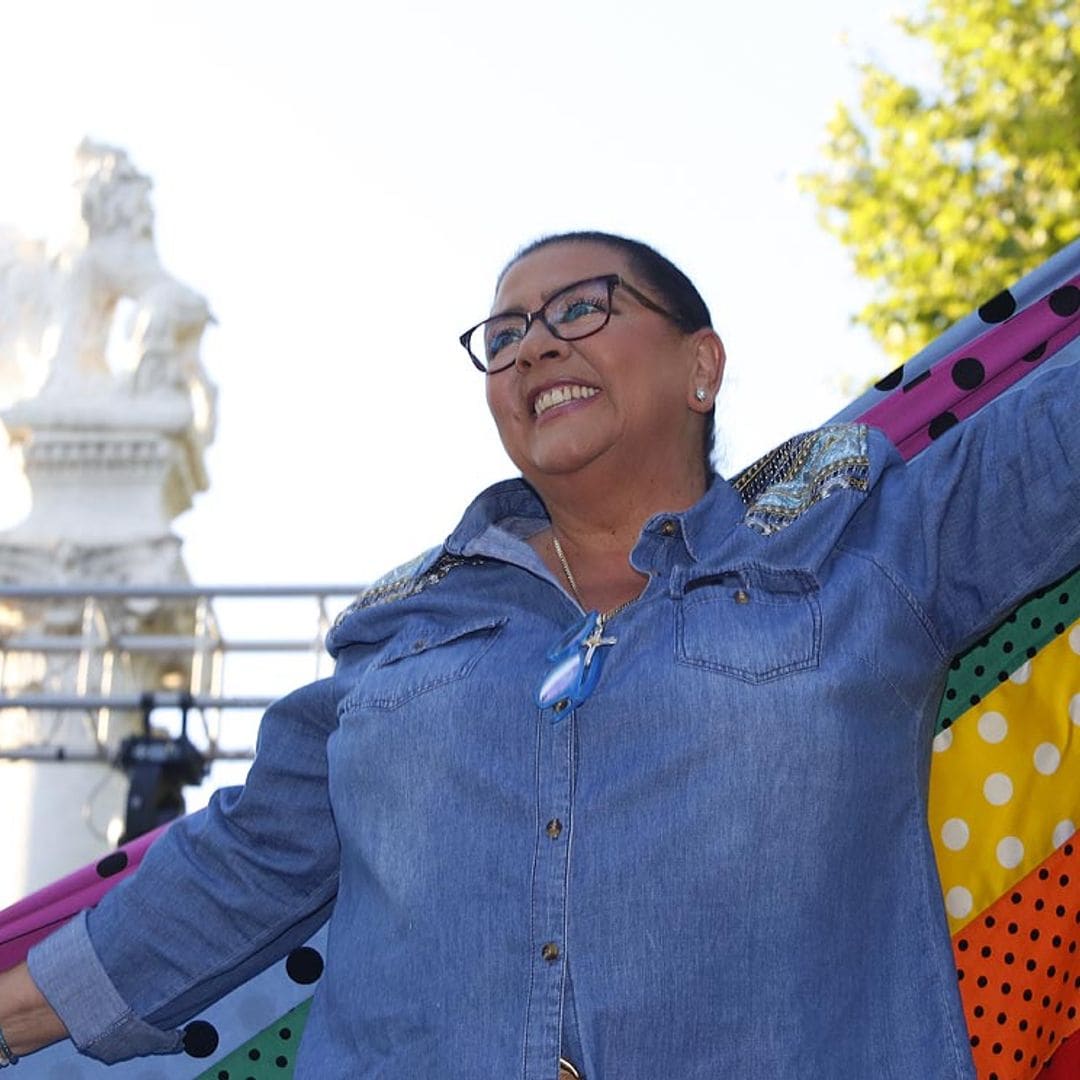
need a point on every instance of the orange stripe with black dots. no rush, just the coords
(1019, 969)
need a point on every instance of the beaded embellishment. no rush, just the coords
(407, 580)
(781, 486)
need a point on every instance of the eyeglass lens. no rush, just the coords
(577, 311)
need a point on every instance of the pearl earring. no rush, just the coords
(700, 394)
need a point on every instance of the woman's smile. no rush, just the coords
(562, 397)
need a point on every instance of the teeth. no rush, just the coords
(559, 395)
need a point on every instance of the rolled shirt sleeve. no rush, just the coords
(67, 971)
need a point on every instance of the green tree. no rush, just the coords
(945, 196)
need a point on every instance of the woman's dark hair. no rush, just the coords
(673, 289)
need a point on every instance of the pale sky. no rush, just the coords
(344, 181)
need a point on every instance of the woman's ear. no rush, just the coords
(706, 369)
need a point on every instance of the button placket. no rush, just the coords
(549, 894)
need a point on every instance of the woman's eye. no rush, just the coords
(502, 339)
(578, 308)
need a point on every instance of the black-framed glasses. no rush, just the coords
(578, 311)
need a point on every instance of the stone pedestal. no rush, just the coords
(102, 502)
(106, 478)
(104, 470)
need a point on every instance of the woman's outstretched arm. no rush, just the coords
(220, 896)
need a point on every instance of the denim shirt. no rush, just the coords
(718, 865)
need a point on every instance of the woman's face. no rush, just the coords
(632, 379)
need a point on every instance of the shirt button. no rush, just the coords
(669, 528)
(742, 597)
(554, 828)
(562, 704)
(550, 952)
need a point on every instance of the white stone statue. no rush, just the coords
(112, 451)
(117, 260)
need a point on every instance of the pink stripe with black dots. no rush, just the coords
(932, 402)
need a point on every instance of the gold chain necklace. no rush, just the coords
(603, 616)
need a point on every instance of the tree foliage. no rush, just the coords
(945, 196)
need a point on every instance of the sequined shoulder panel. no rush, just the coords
(407, 580)
(780, 487)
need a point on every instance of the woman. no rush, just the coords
(631, 771)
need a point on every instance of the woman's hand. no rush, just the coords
(26, 1018)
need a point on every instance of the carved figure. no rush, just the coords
(112, 445)
(115, 260)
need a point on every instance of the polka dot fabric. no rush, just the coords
(1019, 971)
(27, 922)
(923, 405)
(1005, 778)
(220, 1043)
(1005, 653)
(271, 1055)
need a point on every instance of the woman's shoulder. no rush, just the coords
(782, 486)
(404, 582)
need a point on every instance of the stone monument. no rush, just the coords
(112, 436)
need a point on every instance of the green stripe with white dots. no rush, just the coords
(1041, 618)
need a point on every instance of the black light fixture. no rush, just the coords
(158, 768)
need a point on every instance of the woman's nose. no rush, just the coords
(538, 343)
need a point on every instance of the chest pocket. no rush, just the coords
(750, 623)
(423, 656)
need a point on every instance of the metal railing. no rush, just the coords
(99, 663)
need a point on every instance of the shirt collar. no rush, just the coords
(514, 508)
(511, 506)
(703, 526)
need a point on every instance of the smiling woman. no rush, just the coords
(602, 395)
(627, 777)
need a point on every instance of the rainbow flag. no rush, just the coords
(1005, 777)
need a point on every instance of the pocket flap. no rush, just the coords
(420, 635)
(751, 622)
